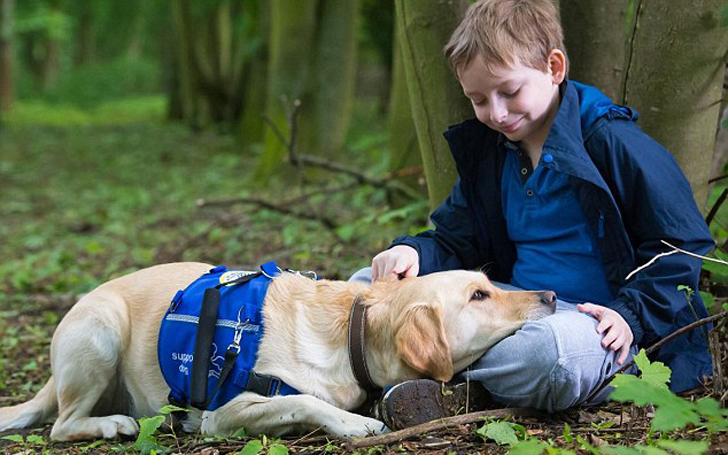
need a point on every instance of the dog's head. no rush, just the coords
(445, 321)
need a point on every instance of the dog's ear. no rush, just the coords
(421, 342)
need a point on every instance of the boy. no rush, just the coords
(560, 190)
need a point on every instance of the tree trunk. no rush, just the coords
(289, 55)
(252, 123)
(674, 78)
(404, 150)
(436, 97)
(137, 33)
(332, 88)
(7, 92)
(211, 57)
(85, 45)
(51, 63)
(188, 97)
(595, 40)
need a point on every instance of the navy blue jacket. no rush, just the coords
(633, 194)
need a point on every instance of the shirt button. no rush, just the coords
(529, 193)
(548, 158)
(524, 171)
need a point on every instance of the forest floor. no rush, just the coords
(84, 200)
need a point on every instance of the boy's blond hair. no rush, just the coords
(504, 31)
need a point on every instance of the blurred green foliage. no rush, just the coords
(90, 194)
(95, 83)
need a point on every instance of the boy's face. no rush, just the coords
(518, 101)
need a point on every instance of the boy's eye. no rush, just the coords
(511, 94)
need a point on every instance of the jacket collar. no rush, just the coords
(565, 134)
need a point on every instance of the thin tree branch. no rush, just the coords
(327, 222)
(667, 253)
(299, 160)
(716, 206)
(285, 203)
(649, 263)
(434, 425)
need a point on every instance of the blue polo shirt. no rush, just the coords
(555, 246)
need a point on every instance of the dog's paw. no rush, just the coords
(118, 425)
(369, 427)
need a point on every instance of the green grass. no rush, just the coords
(89, 194)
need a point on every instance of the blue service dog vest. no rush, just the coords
(239, 322)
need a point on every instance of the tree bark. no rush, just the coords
(595, 41)
(289, 55)
(7, 92)
(674, 76)
(211, 58)
(404, 150)
(334, 70)
(51, 63)
(252, 123)
(85, 44)
(436, 97)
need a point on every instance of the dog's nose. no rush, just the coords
(548, 298)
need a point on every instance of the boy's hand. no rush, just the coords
(398, 260)
(618, 335)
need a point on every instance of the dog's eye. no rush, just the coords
(479, 295)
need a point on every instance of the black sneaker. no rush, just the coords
(418, 401)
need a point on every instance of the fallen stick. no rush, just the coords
(439, 424)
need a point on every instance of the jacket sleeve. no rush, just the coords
(453, 243)
(656, 203)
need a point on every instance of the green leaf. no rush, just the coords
(346, 232)
(621, 450)
(277, 449)
(528, 447)
(685, 447)
(252, 447)
(36, 439)
(567, 433)
(651, 450)
(500, 432)
(146, 442)
(708, 406)
(631, 388)
(170, 408)
(14, 438)
(673, 412)
(653, 372)
(716, 424)
(241, 433)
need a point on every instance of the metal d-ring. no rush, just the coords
(280, 272)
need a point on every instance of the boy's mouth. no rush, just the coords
(511, 127)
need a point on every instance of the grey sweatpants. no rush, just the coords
(550, 364)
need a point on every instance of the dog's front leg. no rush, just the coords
(279, 415)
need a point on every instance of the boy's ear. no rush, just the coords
(557, 65)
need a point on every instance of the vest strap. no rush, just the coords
(203, 348)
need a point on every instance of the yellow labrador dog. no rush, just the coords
(105, 372)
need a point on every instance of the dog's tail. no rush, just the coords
(33, 412)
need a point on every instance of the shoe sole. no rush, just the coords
(418, 401)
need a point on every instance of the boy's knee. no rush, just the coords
(362, 275)
(542, 366)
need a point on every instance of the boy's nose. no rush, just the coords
(498, 113)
